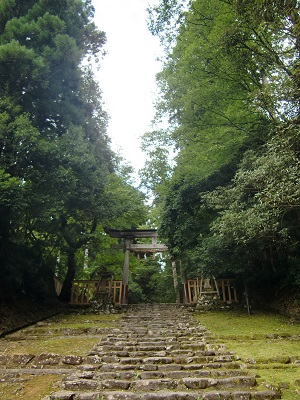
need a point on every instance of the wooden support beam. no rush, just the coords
(149, 248)
(131, 233)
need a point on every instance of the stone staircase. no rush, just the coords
(160, 352)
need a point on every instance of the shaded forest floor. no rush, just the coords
(21, 311)
(285, 302)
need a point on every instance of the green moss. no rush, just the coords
(78, 346)
(83, 320)
(51, 336)
(267, 343)
(237, 323)
(29, 387)
(265, 350)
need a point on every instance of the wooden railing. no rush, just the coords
(228, 290)
(225, 288)
(83, 291)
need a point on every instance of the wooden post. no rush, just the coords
(175, 278)
(184, 283)
(195, 290)
(247, 299)
(189, 291)
(223, 291)
(126, 271)
(229, 292)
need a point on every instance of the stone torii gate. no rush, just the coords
(128, 236)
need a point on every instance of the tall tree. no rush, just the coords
(56, 161)
(208, 101)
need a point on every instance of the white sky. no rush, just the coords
(127, 73)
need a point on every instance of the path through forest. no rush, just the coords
(152, 352)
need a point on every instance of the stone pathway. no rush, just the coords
(160, 352)
(154, 352)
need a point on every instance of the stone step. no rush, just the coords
(151, 334)
(198, 379)
(166, 395)
(175, 352)
(158, 362)
(157, 383)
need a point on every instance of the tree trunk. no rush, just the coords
(184, 283)
(65, 294)
(4, 224)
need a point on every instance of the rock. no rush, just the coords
(63, 396)
(47, 359)
(241, 396)
(153, 384)
(115, 384)
(72, 360)
(4, 359)
(21, 359)
(199, 383)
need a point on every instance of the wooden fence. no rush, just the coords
(83, 291)
(224, 288)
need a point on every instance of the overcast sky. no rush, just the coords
(127, 73)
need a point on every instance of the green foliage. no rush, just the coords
(184, 219)
(41, 48)
(135, 293)
(230, 90)
(151, 282)
(157, 170)
(260, 210)
(59, 178)
(10, 190)
(165, 19)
